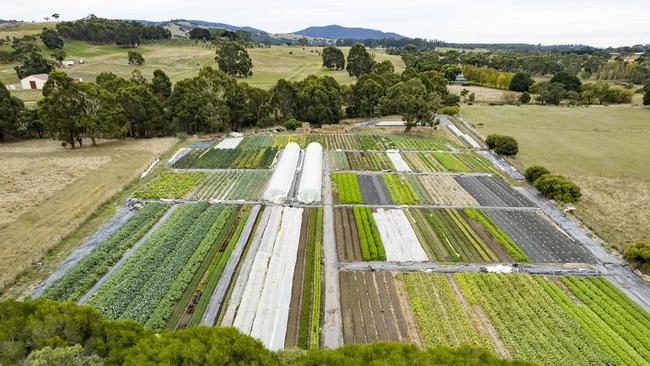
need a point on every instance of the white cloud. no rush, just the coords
(595, 22)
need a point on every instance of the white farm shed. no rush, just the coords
(312, 174)
(285, 170)
(35, 81)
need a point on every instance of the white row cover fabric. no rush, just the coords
(400, 242)
(312, 174)
(229, 143)
(456, 131)
(282, 178)
(398, 161)
(264, 310)
(390, 123)
(179, 154)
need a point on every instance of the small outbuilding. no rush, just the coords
(35, 81)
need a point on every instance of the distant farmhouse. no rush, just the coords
(37, 81)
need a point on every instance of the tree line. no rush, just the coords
(216, 101)
(43, 332)
(104, 31)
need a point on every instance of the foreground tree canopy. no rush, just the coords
(45, 332)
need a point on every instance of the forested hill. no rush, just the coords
(339, 32)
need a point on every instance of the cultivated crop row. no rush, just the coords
(170, 185)
(150, 282)
(80, 278)
(347, 187)
(462, 162)
(442, 318)
(303, 328)
(367, 161)
(372, 247)
(531, 325)
(347, 141)
(227, 158)
(190, 308)
(232, 185)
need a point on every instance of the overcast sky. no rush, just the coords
(596, 22)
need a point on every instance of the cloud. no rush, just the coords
(594, 22)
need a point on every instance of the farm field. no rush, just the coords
(502, 312)
(233, 185)
(348, 141)
(539, 238)
(372, 309)
(364, 161)
(463, 162)
(444, 190)
(183, 59)
(484, 94)
(492, 191)
(150, 283)
(303, 324)
(210, 158)
(609, 159)
(48, 192)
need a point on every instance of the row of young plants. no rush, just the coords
(189, 261)
(170, 185)
(310, 307)
(227, 158)
(198, 294)
(461, 162)
(135, 290)
(447, 236)
(401, 191)
(532, 326)
(497, 233)
(439, 315)
(232, 185)
(347, 141)
(81, 277)
(368, 161)
(605, 335)
(347, 187)
(372, 248)
(629, 323)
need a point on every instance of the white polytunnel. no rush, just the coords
(312, 174)
(285, 170)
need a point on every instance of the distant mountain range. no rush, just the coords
(328, 32)
(338, 32)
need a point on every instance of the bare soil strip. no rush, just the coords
(373, 310)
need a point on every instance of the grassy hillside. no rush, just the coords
(603, 148)
(179, 61)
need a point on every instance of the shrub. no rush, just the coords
(504, 145)
(534, 172)
(524, 98)
(292, 124)
(558, 188)
(450, 110)
(640, 254)
(520, 82)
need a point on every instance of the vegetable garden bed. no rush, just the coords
(303, 328)
(170, 185)
(80, 278)
(227, 158)
(233, 185)
(150, 282)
